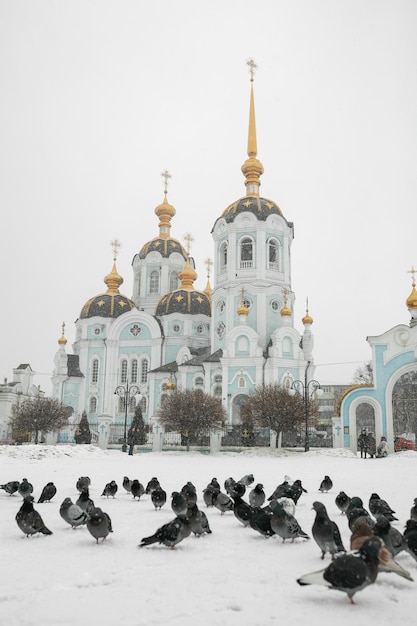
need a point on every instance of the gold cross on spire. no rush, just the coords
(413, 272)
(252, 69)
(116, 245)
(63, 328)
(166, 176)
(189, 239)
(208, 263)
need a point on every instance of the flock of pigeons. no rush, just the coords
(374, 541)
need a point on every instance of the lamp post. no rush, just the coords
(309, 388)
(127, 393)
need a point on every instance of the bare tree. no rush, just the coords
(192, 413)
(39, 415)
(364, 374)
(136, 434)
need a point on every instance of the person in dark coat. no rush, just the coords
(371, 445)
(363, 443)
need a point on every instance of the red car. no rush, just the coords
(403, 444)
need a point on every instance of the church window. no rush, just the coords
(93, 405)
(154, 282)
(134, 371)
(223, 256)
(220, 330)
(246, 253)
(142, 404)
(144, 371)
(275, 305)
(135, 330)
(287, 346)
(242, 382)
(200, 329)
(221, 306)
(123, 371)
(94, 371)
(218, 378)
(97, 331)
(176, 328)
(217, 391)
(199, 382)
(173, 281)
(273, 254)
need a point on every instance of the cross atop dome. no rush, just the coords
(252, 69)
(116, 245)
(166, 176)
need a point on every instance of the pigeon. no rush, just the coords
(413, 510)
(29, 520)
(25, 488)
(190, 494)
(288, 505)
(169, 534)
(326, 484)
(257, 496)
(159, 498)
(242, 510)
(247, 480)
(82, 483)
(284, 525)
(356, 513)
(223, 502)
(198, 521)
(152, 484)
(349, 573)
(11, 487)
(84, 501)
(386, 562)
(229, 484)
(234, 488)
(215, 484)
(392, 538)
(209, 494)
(377, 506)
(99, 524)
(342, 501)
(410, 538)
(179, 504)
(48, 492)
(72, 513)
(261, 522)
(295, 490)
(281, 491)
(137, 489)
(110, 489)
(127, 484)
(326, 533)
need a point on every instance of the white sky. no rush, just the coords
(98, 97)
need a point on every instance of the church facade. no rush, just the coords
(225, 340)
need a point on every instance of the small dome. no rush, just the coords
(285, 311)
(260, 207)
(165, 247)
(185, 300)
(62, 340)
(411, 301)
(307, 319)
(109, 304)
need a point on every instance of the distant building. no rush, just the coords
(12, 393)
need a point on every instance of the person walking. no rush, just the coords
(363, 443)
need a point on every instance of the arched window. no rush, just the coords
(132, 405)
(93, 405)
(199, 382)
(217, 391)
(246, 253)
(154, 282)
(123, 371)
(94, 371)
(223, 256)
(273, 254)
(242, 382)
(173, 281)
(134, 371)
(218, 378)
(144, 366)
(143, 404)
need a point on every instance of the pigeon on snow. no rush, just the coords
(242, 510)
(169, 534)
(247, 480)
(48, 492)
(209, 494)
(377, 506)
(392, 538)
(348, 573)
(99, 524)
(413, 511)
(25, 488)
(326, 533)
(29, 520)
(179, 504)
(110, 489)
(257, 496)
(137, 489)
(342, 501)
(261, 522)
(127, 484)
(84, 501)
(11, 487)
(152, 484)
(284, 525)
(410, 538)
(326, 484)
(72, 513)
(190, 493)
(198, 521)
(82, 483)
(159, 498)
(223, 502)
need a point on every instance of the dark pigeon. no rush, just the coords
(356, 514)
(257, 496)
(392, 538)
(198, 521)
(11, 487)
(284, 525)
(295, 491)
(137, 489)
(413, 511)
(29, 520)
(48, 492)
(242, 510)
(170, 534)
(209, 494)
(99, 524)
(84, 501)
(326, 533)
(410, 538)
(152, 484)
(229, 484)
(25, 488)
(82, 483)
(72, 513)
(110, 489)
(349, 573)
(326, 484)
(342, 501)
(159, 498)
(281, 491)
(261, 522)
(127, 484)
(190, 494)
(377, 506)
(179, 504)
(222, 502)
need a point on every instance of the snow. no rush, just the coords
(232, 576)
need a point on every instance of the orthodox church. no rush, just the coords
(225, 340)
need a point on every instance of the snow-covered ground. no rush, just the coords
(233, 576)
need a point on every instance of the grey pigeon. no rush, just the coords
(284, 525)
(247, 480)
(261, 522)
(209, 494)
(342, 501)
(242, 510)
(281, 491)
(325, 532)
(83, 482)
(72, 513)
(222, 502)
(170, 534)
(29, 520)
(378, 506)
(349, 573)
(326, 484)
(137, 489)
(356, 514)
(229, 484)
(25, 488)
(84, 501)
(410, 538)
(99, 524)
(392, 538)
(152, 484)
(257, 496)
(48, 492)
(179, 504)
(127, 484)
(11, 487)
(190, 494)
(413, 511)
(159, 498)
(110, 489)
(198, 521)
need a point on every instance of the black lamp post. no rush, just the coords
(309, 388)
(127, 393)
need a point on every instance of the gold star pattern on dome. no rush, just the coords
(101, 303)
(179, 298)
(199, 299)
(269, 205)
(157, 244)
(121, 303)
(247, 203)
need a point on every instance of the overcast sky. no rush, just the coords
(99, 97)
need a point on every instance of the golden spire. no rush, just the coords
(285, 311)
(165, 211)
(170, 386)
(62, 341)
(411, 301)
(114, 280)
(252, 168)
(307, 319)
(243, 309)
(187, 276)
(208, 290)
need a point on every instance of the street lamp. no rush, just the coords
(127, 393)
(309, 388)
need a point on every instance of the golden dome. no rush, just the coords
(285, 311)
(62, 341)
(165, 212)
(113, 280)
(307, 319)
(187, 276)
(411, 301)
